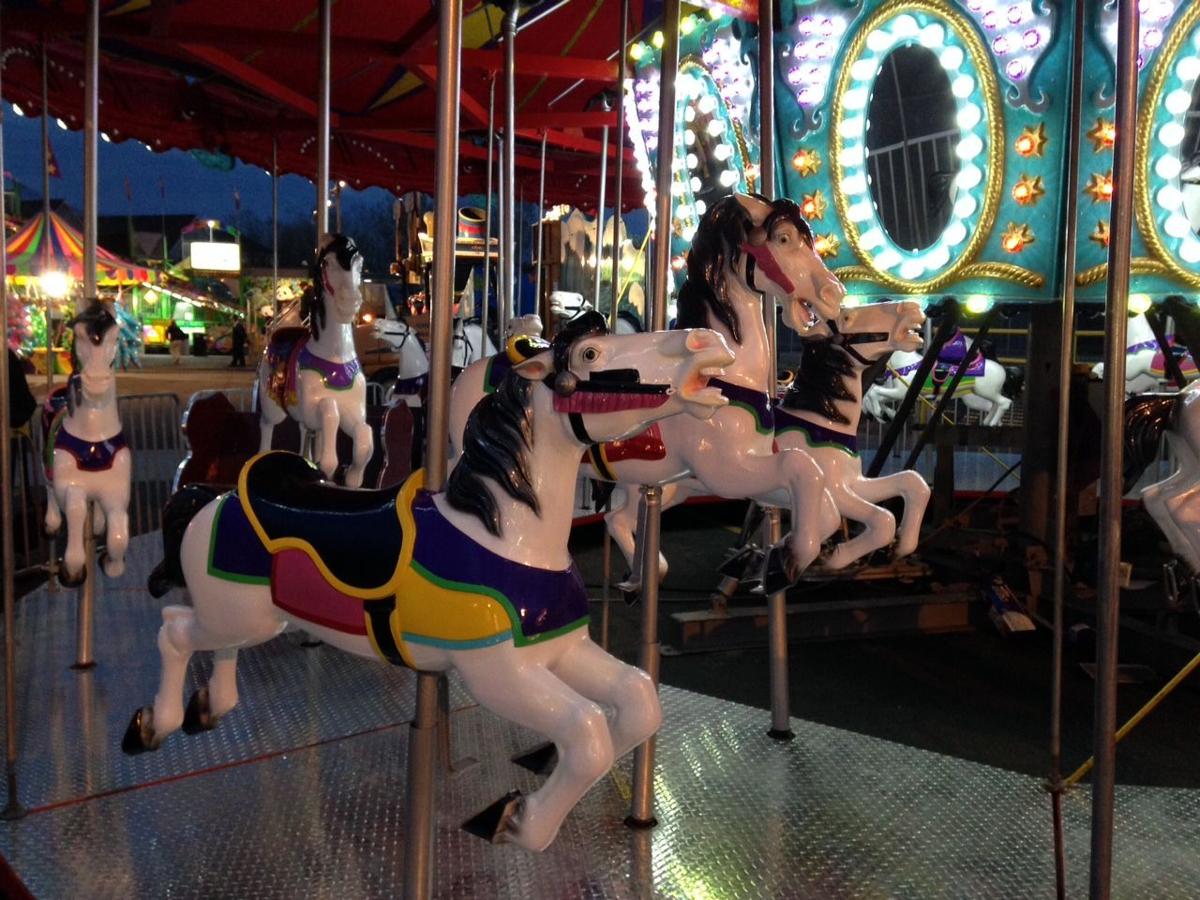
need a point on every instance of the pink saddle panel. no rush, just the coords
(299, 588)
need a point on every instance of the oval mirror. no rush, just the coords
(910, 142)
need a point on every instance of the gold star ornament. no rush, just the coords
(826, 245)
(813, 205)
(1100, 235)
(806, 162)
(1102, 135)
(1032, 141)
(1100, 187)
(1028, 191)
(1016, 238)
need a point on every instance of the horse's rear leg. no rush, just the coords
(911, 487)
(329, 417)
(1000, 405)
(75, 504)
(116, 540)
(209, 703)
(364, 446)
(53, 512)
(270, 414)
(520, 690)
(879, 531)
(151, 725)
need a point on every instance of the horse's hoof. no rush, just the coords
(113, 568)
(67, 579)
(198, 717)
(631, 593)
(741, 561)
(540, 760)
(139, 736)
(493, 823)
(780, 571)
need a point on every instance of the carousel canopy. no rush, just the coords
(241, 79)
(37, 248)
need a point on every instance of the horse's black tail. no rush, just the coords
(1147, 416)
(179, 511)
(988, 349)
(1014, 382)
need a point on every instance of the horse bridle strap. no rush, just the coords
(846, 341)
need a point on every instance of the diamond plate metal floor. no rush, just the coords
(300, 792)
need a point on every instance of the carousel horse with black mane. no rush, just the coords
(1145, 366)
(87, 457)
(477, 578)
(312, 373)
(745, 247)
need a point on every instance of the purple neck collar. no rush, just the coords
(336, 376)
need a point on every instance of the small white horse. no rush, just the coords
(87, 456)
(988, 388)
(1174, 502)
(313, 374)
(1145, 368)
(745, 247)
(412, 364)
(478, 578)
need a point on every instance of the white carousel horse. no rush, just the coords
(1174, 502)
(412, 363)
(745, 246)
(313, 374)
(988, 387)
(87, 456)
(1145, 368)
(478, 579)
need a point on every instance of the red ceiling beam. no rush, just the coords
(468, 104)
(429, 142)
(256, 80)
(542, 65)
(567, 119)
(569, 141)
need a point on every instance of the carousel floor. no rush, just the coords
(299, 792)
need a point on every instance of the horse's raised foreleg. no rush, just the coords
(75, 506)
(880, 525)
(512, 684)
(53, 512)
(601, 677)
(270, 413)
(116, 540)
(209, 703)
(1000, 405)
(909, 486)
(364, 446)
(329, 417)
(622, 527)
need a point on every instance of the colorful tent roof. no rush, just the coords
(36, 248)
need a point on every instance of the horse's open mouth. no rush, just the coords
(809, 318)
(696, 389)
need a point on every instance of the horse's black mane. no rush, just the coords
(96, 318)
(723, 229)
(312, 310)
(498, 437)
(1147, 416)
(821, 381)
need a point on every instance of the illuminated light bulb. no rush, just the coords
(1171, 134)
(968, 117)
(689, 137)
(936, 258)
(1139, 303)
(692, 160)
(871, 239)
(678, 189)
(1152, 38)
(1015, 69)
(932, 36)
(706, 104)
(963, 86)
(852, 156)
(722, 152)
(1016, 15)
(965, 206)
(951, 58)
(968, 177)
(716, 128)
(1188, 68)
(701, 207)
(657, 40)
(637, 51)
(851, 127)
(855, 184)
(689, 232)
(1031, 39)
(863, 70)
(991, 19)
(955, 233)
(1168, 166)
(855, 99)
(104, 137)
(879, 41)
(905, 26)
(888, 258)
(61, 124)
(54, 284)
(861, 212)
(1168, 197)
(1178, 102)
(728, 178)
(1190, 251)
(969, 147)
(1000, 45)
(689, 114)
(977, 304)
(687, 26)
(1177, 226)
(17, 109)
(911, 269)
(696, 183)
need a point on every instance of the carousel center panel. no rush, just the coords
(300, 792)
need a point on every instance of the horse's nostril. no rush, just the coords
(698, 340)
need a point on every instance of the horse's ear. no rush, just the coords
(536, 368)
(756, 207)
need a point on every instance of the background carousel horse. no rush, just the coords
(1145, 368)
(478, 578)
(412, 372)
(1174, 502)
(87, 456)
(312, 374)
(988, 387)
(744, 247)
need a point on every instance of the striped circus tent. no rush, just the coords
(36, 248)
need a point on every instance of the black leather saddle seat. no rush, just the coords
(354, 533)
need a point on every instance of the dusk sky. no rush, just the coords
(191, 187)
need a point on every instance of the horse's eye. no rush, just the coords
(591, 354)
(783, 239)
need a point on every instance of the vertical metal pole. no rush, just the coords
(600, 221)
(324, 25)
(1065, 359)
(622, 64)
(274, 222)
(12, 805)
(1116, 320)
(337, 208)
(642, 811)
(772, 528)
(46, 224)
(508, 279)
(487, 210)
(84, 659)
(422, 743)
(537, 282)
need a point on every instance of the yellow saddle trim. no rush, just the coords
(274, 545)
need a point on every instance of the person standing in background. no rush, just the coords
(178, 341)
(238, 345)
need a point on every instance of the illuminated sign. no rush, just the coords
(215, 257)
